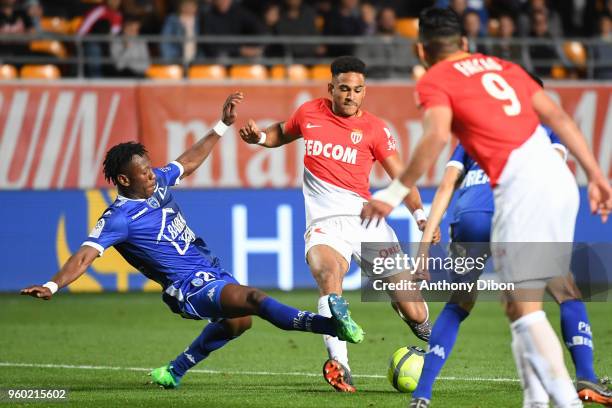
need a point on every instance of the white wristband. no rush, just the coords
(262, 138)
(419, 215)
(393, 194)
(220, 128)
(52, 286)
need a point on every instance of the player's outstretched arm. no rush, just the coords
(394, 166)
(74, 267)
(551, 114)
(436, 133)
(193, 157)
(272, 136)
(440, 203)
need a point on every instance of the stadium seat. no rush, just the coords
(7, 72)
(558, 72)
(40, 72)
(255, 72)
(295, 72)
(214, 71)
(321, 72)
(74, 24)
(50, 47)
(575, 52)
(165, 72)
(57, 25)
(407, 27)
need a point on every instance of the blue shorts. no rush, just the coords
(474, 229)
(199, 296)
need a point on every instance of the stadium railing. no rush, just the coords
(578, 57)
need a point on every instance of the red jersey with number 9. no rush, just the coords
(491, 103)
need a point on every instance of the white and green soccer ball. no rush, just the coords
(405, 368)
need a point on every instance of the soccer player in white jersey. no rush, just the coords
(342, 141)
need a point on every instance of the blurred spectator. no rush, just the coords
(506, 48)
(602, 50)
(461, 7)
(103, 19)
(344, 20)
(472, 30)
(184, 24)
(150, 13)
(270, 18)
(393, 56)
(35, 11)
(298, 19)
(13, 22)
(534, 7)
(458, 6)
(130, 53)
(228, 18)
(547, 53)
(368, 15)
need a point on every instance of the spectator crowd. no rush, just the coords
(125, 21)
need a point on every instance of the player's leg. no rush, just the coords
(214, 336)
(536, 344)
(237, 300)
(473, 227)
(328, 267)
(410, 307)
(577, 335)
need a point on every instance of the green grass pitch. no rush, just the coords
(99, 347)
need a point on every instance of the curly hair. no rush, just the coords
(118, 157)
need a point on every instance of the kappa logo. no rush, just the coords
(356, 136)
(311, 126)
(211, 293)
(438, 351)
(190, 357)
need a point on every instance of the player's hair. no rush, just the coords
(536, 78)
(118, 157)
(347, 63)
(440, 31)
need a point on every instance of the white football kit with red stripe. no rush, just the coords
(339, 154)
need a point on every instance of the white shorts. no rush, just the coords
(536, 204)
(345, 234)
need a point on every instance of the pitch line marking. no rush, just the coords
(201, 371)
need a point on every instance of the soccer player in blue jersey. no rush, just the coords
(471, 223)
(147, 227)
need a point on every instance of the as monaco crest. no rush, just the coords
(356, 136)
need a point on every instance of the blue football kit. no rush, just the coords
(153, 236)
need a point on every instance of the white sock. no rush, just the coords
(541, 348)
(336, 348)
(534, 394)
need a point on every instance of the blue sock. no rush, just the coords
(288, 318)
(577, 336)
(213, 337)
(441, 342)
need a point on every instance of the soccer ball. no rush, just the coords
(405, 368)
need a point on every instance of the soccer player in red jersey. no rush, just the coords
(342, 141)
(494, 108)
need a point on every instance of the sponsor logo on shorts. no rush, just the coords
(211, 293)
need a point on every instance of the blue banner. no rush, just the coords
(258, 234)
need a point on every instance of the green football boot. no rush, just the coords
(164, 377)
(347, 329)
